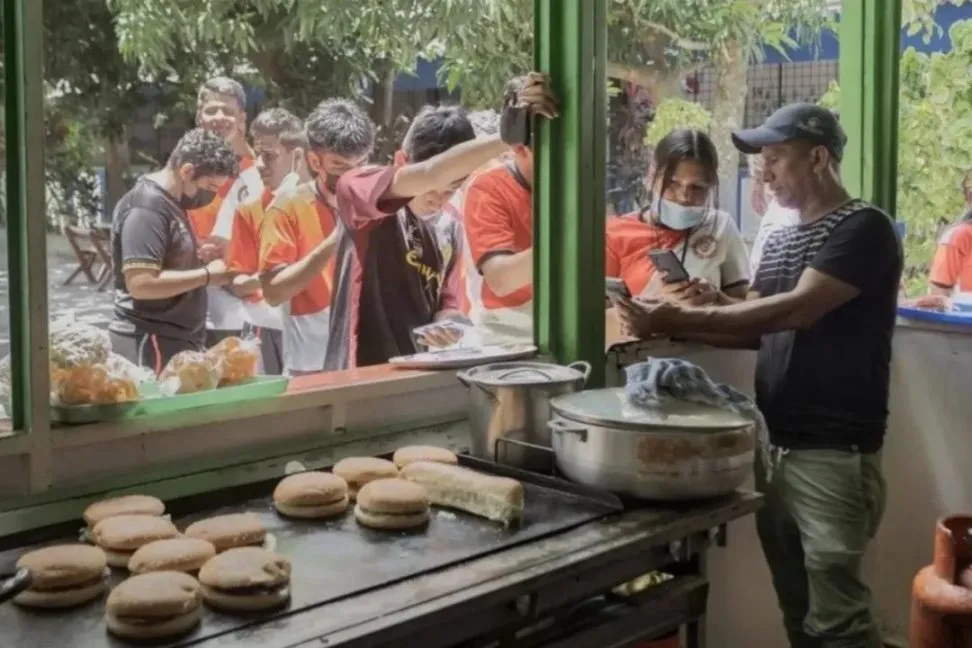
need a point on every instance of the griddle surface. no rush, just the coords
(331, 560)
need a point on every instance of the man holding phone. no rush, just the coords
(822, 310)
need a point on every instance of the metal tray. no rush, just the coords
(462, 358)
(332, 560)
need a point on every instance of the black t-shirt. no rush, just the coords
(826, 387)
(394, 272)
(150, 230)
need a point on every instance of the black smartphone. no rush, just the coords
(614, 287)
(669, 266)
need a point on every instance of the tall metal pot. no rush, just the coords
(509, 409)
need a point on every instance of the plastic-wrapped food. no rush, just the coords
(122, 366)
(189, 372)
(91, 385)
(77, 344)
(238, 359)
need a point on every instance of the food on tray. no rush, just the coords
(229, 531)
(121, 366)
(121, 535)
(494, 498)
(311, 495)
(160, 605)
(124, 505)
(392, 504)
(91, 385)
(410, 454)
(172, 554)
(246, 579)
(189, 372)
(77, 344)
(940, 303)
(63, 576)
(358, 471)
(237, 358)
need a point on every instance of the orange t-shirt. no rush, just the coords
(243, 249)
(203, 219)
(293, 226)
(497, 215)
(952, 265)
(627, 242)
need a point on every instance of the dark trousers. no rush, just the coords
(149, 350)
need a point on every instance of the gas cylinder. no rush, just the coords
(941, 594)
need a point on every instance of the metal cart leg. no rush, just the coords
(695, 630)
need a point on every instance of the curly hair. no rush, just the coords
(208, 153)
(340, 126)
(282, 124)
(436, 129)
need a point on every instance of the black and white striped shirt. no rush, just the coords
(826, 386)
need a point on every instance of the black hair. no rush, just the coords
(685, 144)
(436, 129)
(208, 153)
(340, 126)
(282, 124)
(224, 86)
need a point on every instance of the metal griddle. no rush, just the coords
(331, 560)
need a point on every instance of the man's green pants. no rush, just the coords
(822, 508)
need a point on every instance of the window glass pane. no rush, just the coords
(5, 404)
(264, 226)
(671, 72)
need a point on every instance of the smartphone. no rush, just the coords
(669, 266)
(614, 287)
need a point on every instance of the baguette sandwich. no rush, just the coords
(494, 498)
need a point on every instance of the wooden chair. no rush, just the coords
(92, 248)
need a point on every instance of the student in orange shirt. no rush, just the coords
(296, 239)
(951, 269)
(278, 141)
(497, 215)
(681, 218)
(221, 109)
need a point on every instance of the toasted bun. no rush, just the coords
(161, 629)
(310, 489)
(228, 531)
(63, 566)
(410, 454)
(393, 496)
(154, 595)
(63, 598)
(245, 567)
(358, 471)
(488, 496)
(390, 521)
(245, 602)
(174, 554)
(125, 505)
(129, 532)
(118, 558)
(318, 511)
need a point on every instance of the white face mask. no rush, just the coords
(679, 217)
(290, 181)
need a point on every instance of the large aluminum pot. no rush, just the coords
(509, 408)
(680, 451)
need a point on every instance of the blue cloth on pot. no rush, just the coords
(655, 379)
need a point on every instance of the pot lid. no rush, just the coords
(611, 407)
(499, 374)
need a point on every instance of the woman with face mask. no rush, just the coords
(682, 217)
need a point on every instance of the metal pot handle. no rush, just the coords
(583, 367)
(558, 425)
(14, 584)
(523, 444)
(521, 370)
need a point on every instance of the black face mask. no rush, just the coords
(330, 181)
(202, 198)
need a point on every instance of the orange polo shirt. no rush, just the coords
(243, 249)
(293, 226)
(952, 265)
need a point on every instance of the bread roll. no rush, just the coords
(494, 498)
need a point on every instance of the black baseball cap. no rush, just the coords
(797, 121)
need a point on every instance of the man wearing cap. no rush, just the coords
(822, 311)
